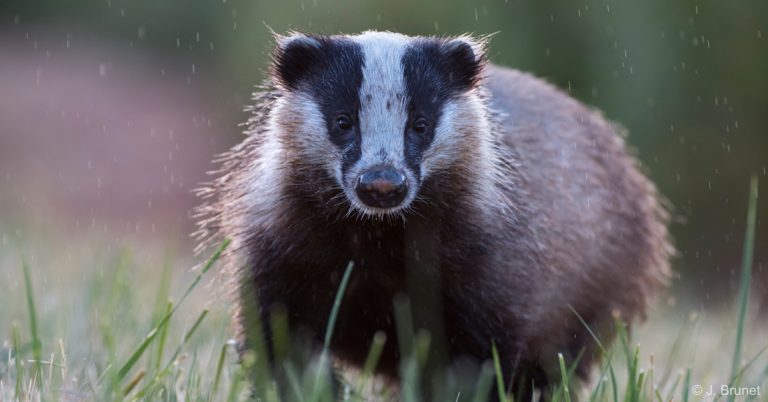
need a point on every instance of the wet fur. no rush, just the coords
(544, 212)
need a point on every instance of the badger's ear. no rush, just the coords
(296, 55)
(464, 59)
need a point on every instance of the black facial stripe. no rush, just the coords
(430, 81)
(351, 155)
(335, 84)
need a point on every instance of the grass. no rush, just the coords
(96, 337)
(746, 279)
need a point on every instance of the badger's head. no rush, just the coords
(381, 113)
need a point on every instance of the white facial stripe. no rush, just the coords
(446, 144)
(383, 109)
(461, 118)
(300, 115)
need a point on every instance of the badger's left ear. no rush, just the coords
(295, 57)
(464, 58)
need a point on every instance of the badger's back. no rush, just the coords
(599, 222)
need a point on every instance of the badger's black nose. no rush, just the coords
(381, 187)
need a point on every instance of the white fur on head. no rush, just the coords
(383, 110)
(383, 113)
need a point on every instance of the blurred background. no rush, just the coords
(111, 110)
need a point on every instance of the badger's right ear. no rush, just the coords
(464, 58)
(296, 55)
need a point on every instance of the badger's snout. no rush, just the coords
(382, 187)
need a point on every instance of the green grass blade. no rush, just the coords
(235, 387)
(614, 386)
(191, 378)
(569, 373)
(191, 332)
(162, 339)
(162, 306)
(748, 364)
(294, 382)
(16, 336)
(633, 383)
(621, 329)
(421, 345)
(206, 267)
(586, 326)
(484, 383)
(161, 373)
(336, 306)
(219, 371)
(281, 338)
(377, 346)
(564, 378)
(637, 391)
(37, 345)
(404, 322)
(499, 375)
(319, 388)
(608, 367)
(410, 380)
(746, 279)
(374, 354)
(406, 337)
(682, 334)
(128, 365)
(673, 387)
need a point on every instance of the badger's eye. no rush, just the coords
(420, 126)
(343, 122)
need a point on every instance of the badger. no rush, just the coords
(505, 211)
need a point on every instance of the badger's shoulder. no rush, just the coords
(587, 193)
(524, 98)
(562, 142)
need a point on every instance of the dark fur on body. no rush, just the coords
(571, 224)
